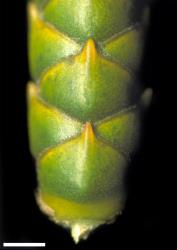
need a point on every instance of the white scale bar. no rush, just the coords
(5, 244)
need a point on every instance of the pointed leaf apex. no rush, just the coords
(80, 232)
(89, 52)
(88, 133)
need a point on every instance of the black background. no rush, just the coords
(149, 219)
